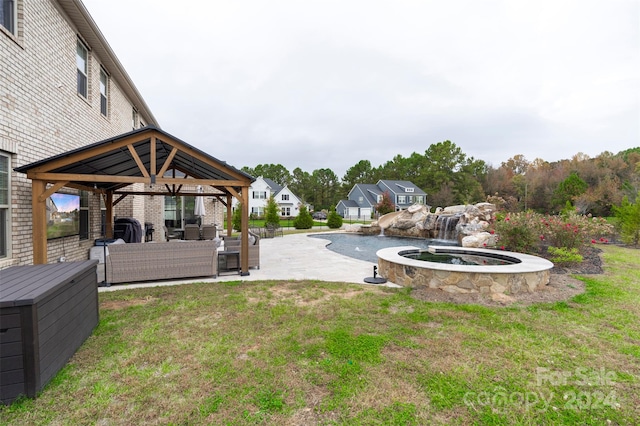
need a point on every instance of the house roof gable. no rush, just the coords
(398, 187)
(275, 187)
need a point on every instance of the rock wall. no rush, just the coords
(466, 223)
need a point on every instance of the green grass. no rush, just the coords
(284, 223)
(338, 354)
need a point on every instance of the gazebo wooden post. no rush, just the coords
(244, 229)
(109, 215)
(39, 222)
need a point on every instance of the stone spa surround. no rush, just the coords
(529, 274)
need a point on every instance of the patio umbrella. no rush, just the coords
(199, 209)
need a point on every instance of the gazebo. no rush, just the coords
(149, 156)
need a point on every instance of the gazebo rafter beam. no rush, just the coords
(49, 191)
(56, 177)
(167, 163)
(85, 155)
(138, 161)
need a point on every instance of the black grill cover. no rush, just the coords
(128, 229)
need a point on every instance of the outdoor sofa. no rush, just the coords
(161, 260)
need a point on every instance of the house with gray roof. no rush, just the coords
(363, 197)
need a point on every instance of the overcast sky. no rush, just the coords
(325, 84)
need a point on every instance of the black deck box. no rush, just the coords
(46, 313)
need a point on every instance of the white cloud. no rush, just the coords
(324, 84)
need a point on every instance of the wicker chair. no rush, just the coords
(191, 231)
(254, 252)
(170, 235)
(209, 232)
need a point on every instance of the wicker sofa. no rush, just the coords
(161, 260)
(233, 244)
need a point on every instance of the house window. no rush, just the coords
(408, 189)
(285, 197)
(82, 54)
(4, 205)
(84, 215)
(259, 195)
(8, 15)
(134, 118)
(286, 211)
(419, 199)
(179, 211)
(103, 91)
(402, 199)
(257, 211)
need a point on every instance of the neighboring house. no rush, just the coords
(61, 88)
(363, 197)
(263, 188)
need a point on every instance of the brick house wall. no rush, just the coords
(42, 114)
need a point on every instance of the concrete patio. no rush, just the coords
(292, 257)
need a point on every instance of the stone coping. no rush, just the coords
(528, 263)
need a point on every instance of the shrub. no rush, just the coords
(516, 232)
(236, 219)
(564, 256)
(628, 220)
(530, 232)
(334, 220)
(572, 230)
(272, 212)
(303, 220)
(385, 205)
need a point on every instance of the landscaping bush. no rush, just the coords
(303, 220)
(628, 220)
(572, 230)
(272, 213)
(516, 232)
(531, 232)
(563, 256)
(334, 220)
(236, 218)
(385, 205)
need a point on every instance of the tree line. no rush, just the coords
(450, 177)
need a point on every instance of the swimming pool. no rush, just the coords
(364, 247)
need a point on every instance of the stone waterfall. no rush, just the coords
(446, 227)
(468, 224)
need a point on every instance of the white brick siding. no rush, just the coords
(41, 114)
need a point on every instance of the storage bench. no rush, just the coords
(46, 313)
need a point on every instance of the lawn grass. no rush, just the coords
(284, 223)
(278, 352)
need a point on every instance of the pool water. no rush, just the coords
(453, 259)
(363, 247)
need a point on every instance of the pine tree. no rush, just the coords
(334, 220)
(304, 219)
(272, 214)
(236, 219)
